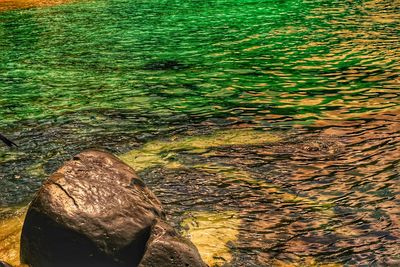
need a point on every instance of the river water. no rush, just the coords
(320, 78)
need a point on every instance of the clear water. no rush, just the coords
(325, 75)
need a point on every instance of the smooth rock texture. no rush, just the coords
(93, 211)
(166, 248)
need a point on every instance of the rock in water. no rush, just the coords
(166, 248)
(93, 211)
(165, 65)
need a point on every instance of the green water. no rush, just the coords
(117, 74)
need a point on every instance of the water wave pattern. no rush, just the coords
(326, 74)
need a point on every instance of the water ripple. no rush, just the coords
(118, 74)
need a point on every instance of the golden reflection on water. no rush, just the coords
(10, 235)
(316, 198)
(324, 196)
(18, 4)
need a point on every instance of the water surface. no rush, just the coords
(323, 76)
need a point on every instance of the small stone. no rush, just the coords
(167, 248)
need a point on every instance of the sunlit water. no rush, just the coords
(322, 75)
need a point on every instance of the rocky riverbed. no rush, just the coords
(205, 174)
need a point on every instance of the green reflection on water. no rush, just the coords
(268, 56)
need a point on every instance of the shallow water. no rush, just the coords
(323, 76)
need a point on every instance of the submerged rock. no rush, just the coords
(165, 65)
(93, 211)
(211, 232)
(153, 153)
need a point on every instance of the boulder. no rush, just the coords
(93, 211)
(166, 248)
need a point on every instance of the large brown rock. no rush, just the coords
(93, 211)
(166, 248)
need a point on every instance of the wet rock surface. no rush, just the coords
(167, 248)
(93, 211)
